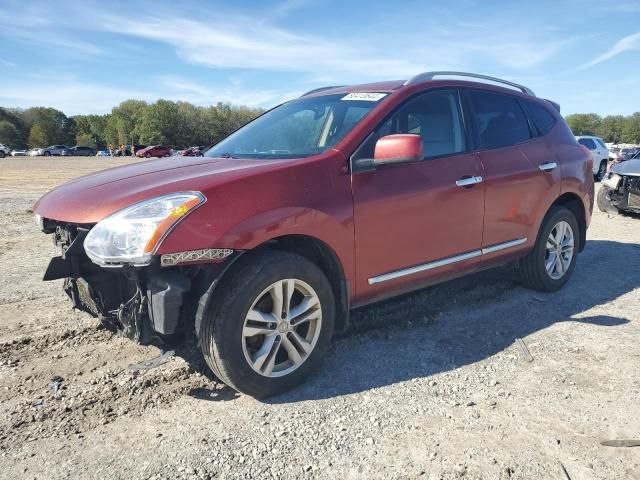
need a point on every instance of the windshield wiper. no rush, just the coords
(226, 155)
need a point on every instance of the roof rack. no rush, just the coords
(316, 90)
(422, 77)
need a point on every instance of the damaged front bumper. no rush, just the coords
(155, 302)
(623, 191)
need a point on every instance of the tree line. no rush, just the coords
(181, 124)
(612, 128)
(175, 124)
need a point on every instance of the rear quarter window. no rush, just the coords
(499, 119)
(542, 118)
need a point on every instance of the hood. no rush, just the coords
(91, 198)
(630, 167)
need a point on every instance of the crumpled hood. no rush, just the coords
(630, 167)
(91, 198)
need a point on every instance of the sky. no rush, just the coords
(86, 57)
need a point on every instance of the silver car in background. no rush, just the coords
(47, 151)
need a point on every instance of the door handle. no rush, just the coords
(548, 166)
(466, 182)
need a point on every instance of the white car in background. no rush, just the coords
(19, 153)
(4, 150)
(599, 152)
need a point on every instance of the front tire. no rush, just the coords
(604, 202)
(551, 262)
(268, 324)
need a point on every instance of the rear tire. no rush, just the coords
(47, 154)
(245, 300)
(2, 155)
(602, 170)
(548, 266)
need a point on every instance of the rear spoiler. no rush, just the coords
(555, 105)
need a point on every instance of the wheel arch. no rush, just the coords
(311, 248)
(575, 205)
(322, 255)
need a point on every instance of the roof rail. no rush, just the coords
(316, 90)
(422, 77)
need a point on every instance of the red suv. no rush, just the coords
(154, 151)
(337, 199)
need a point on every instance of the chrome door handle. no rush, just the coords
(548, 166)
(465, 182)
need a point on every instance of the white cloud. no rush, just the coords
(73, 96)
(630, 42)
(7, 63)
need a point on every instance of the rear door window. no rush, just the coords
(587, 142)
(499, 119)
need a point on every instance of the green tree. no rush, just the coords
(9, 134)
(584, 123)
(121, 125)
(611, 128)
(91, 130)
(631, 129)
(161, 123)
(53, 125)
(38, 136)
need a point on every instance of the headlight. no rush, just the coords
(133, 234)
(612, 181)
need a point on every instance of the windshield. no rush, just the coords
(300, 128)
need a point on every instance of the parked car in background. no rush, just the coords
(599, 152)
(154, 151)
(613, 152)
(52, 150)
(19, 153)
(627, 153)
(79, 151)
(103, 153)
(4, 150)
(191, 152)
(340, 198)
(621, 187)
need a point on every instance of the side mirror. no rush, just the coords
(399, 148)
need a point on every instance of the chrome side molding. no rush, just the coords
(445, 261)
(502, 246)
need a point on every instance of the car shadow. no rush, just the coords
(407, 337)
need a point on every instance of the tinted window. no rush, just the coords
(435, 116)
(541, 117)
(587, 142)
(499, 120)
(601, 143)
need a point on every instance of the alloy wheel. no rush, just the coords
(281, 328)
(559, 250)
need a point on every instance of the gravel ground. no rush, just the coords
(431, 385)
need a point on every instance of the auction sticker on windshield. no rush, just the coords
(366, 96)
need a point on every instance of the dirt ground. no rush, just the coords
(432, 385)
